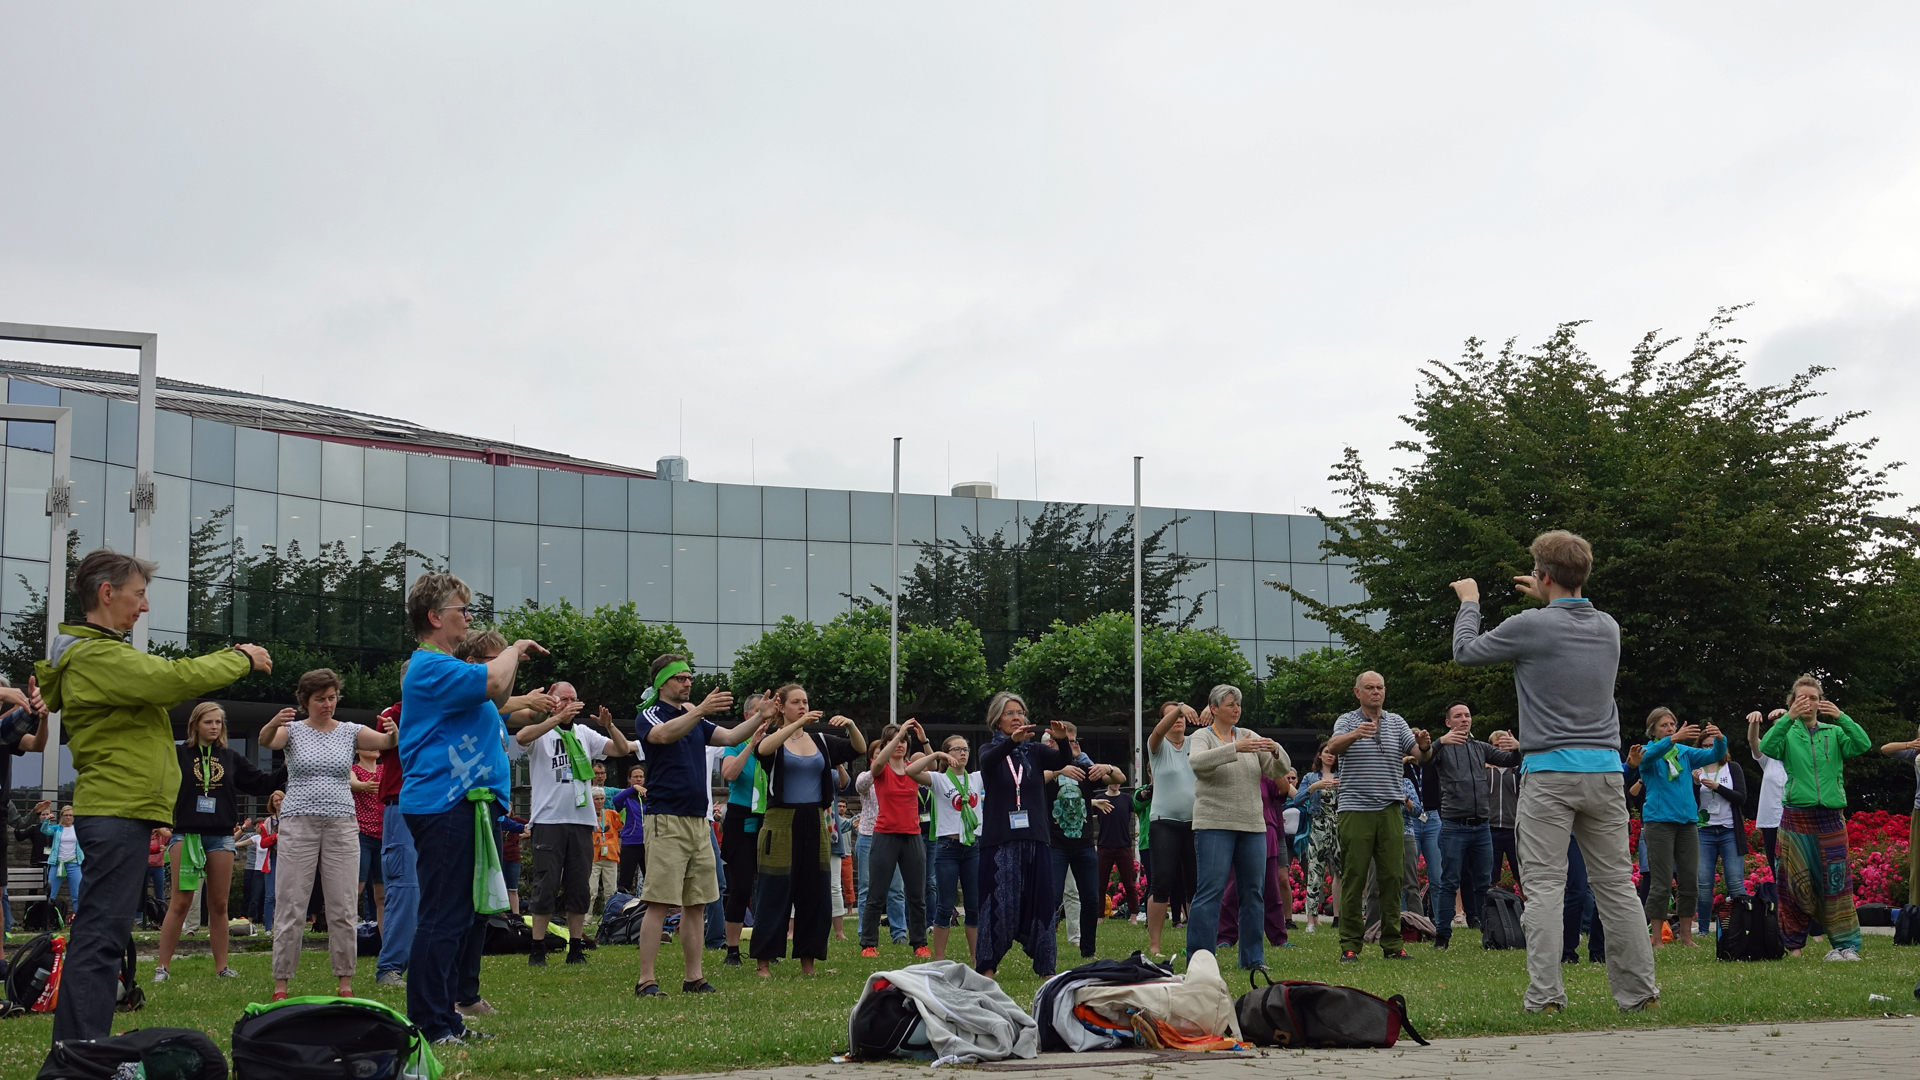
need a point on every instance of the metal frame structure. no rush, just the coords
(60, 493)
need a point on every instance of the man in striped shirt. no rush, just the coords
(1372, 745)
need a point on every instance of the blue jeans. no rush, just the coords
(716, 912)
(956, 869)
(1217, 851)
(157, 880)
(1466, 854)
(267, 923)
(443, 865)
(403, 892)
(1426, 837)
(72, 880)
(896, 895)
(1717, 846)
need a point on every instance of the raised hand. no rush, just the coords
(570, 710)
(1422, 738)
(1466, 590)
(1775, 715)
(1074, 772)
(840, 722)
(528, 645)
(1368, 728)
(1754, 717)
(1022, 733)
(1688, 732)
(1528, 585)
(256, 654)
(541, 702)
(1504, 741)
(1101, 805)
(33, 696)
(1454, 738)
(1636, 754)
(717, 701)
(1712, 733)
(1828, 708)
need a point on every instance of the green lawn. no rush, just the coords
(581, 1022)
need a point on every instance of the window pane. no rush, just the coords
(703, 642)
(123, 418)
(1341, 588)
(1310, 579)
(739, 511)
(516, 557)
(916, 519)
(559, 565)
(1270, 541)
(90, 504)
(299, 467)
(470, 553)
(383, 529)
(14, 595)
(873, 517)
(999, 515)
(650, 506)
(1196, 533)
(954, 518)
(1234, 599)
(1272, 609)
(603, 565)
(695, 577)
(516, 494)
(784, 513)
(256, 522)
(650, 574)
(428, 484)
(172, 444)
(213, 451)
(826, 515)
(169, 600)
(1307, 533)
(739, 584)
(559, 497)
(211, 532)
(89, 431)
(784, 562)
(604, 504)
(694, 509)
(386, 479)
(299, 525)
(427, 534)
(256, 459)
(1198, 588)
(172, 502)
(343, 471)
(1233, 535)
(472, 491)
(733, 638)
(828, 579)
(119, 521)
(873, 565)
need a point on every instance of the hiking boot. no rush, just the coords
(537, 956)
(1652, 1004)
(1551, 1008)
(1349, 957)
(576, 953)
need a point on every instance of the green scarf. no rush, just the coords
(653, 693)
(1672, 758)
(489, 881)
(582, 767)
(969, 818)
(193, 861)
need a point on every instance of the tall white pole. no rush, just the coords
(1139, 706)
(144, 494)
(893, 602)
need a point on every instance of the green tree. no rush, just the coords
(1084, 671)
(1728, 524)
(607, 653)
(1310, 690)
(843, 665)
(1065, 566)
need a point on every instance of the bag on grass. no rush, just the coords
(1874, 914)
(1500, 926)
(152, 911)
(887, 1024)
(31, 972)
(1751, 930)
(329, 1038)
(42, 916)
(1320, 1015)
(616, 904)
(367, 939)
(622, 927)
(160, 1054)
(508, 933)
(1906, 925)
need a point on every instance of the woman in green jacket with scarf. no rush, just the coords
(1815, 880)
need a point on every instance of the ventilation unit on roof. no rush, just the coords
(672, 467)
(976, 489)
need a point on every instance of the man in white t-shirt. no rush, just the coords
(560, 756)
(1773, 787)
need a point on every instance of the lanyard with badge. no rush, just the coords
(203, 804)
(1017, 818)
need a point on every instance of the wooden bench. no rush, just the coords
(25, 884)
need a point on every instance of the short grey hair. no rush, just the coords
(1218, 695)
(104, 566)
(999, 705)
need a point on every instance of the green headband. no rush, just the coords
(660, 680)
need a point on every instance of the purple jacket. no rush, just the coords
(633, 829)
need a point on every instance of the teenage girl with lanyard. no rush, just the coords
(1016, 853)
(204, 816)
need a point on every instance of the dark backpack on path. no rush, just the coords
(1322, 1016)
(887, 1024)
(1906, 925)
(161, 1053)
(1500, 925)
(42, 916)
(1751, 930)
(329, 1038)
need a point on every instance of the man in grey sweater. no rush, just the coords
(1565, 657)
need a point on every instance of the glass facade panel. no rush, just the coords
(341, 523)
(559, 498)
(299, 525)
(516, 558)
(1270, 538)
(739, 511)
(516, 494)
(383, 528)
(256, 459)
(299, 467)
(470, 553)
(732, 638)
(1310, 579)
(429, 482)
(256, 522)
(1233, 535)
(1307, 533)
(1272, 609)
(16, 597)
(916, 519)
(783, 513)
(213, 451)
(703, 641)
(828, 579)
(1197, 589)
(784, 563)
(172, 444)
(472, 490)
(170, 514)
(650, 575)
(954, 518)
(1195, 533)
(1233, 596)
(90, 503)
(428, 535)
(119, 524)
(827, 515)
(212, 531)
(1157, 517)
(89, 431)
(559, 565)
(650, 506)
(1341, 588)
(873, 517)
(695, 577)
(386, 479)
(603, 565)
(739, 584)
(343, 471)
(873, 566)
(604, 503)
(694, 509)
(123, 418)
(999, 516)
(168, 599)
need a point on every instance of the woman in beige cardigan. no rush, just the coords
(1229, 829)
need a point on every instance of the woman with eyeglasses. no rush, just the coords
(956, 852)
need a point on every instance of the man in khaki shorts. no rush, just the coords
(680, 865)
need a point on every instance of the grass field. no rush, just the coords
(585, 1021)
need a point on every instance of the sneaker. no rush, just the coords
(577, 955)
(449, 1040)
(392, 980)
(1843, 954)
(1459, 919)
(1140, 919)
(1442, 944)
(1401, 955)
(478, 1008)
(538, 957)
(1551, 1008)
(226, 973)
(1313, 928)
(698, 986)
(733, 956)
(923, 953)
(870, 952)
(160, 975)
(469, 1035)
(1349, 957)
(1652, 1004)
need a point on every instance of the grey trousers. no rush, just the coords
(90, 979)
(1592, 806)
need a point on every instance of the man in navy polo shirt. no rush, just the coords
(680, 847)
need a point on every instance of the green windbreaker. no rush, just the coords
(1815, 760)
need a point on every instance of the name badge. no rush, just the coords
(203, 804)
(1017, 819)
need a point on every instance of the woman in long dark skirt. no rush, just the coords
(792, 847)
(1016, 854)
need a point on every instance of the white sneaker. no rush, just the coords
(1849, 953)
(1140, 919)
(1313, 928)
(1841, 954)
(160, 975)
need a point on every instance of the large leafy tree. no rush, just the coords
(607, 653)
(1084, 671)
(843, 665)
(1310, 690)
(1729, 524)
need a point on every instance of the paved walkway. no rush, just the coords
(1841, 1049)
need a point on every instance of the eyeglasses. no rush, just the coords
(464, 609)
(683, 675)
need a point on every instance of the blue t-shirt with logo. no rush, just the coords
(452, 739)
(677, 771)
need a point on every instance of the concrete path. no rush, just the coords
(1842, 1049)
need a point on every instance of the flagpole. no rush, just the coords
(893, 602)
(1139, 743)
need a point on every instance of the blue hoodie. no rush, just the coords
(1670, 792)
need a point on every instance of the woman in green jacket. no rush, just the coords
(1815, 881)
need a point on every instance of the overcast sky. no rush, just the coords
(1224, 237)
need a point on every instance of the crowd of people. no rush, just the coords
(1007, 838)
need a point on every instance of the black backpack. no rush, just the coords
(1500, 925)
(623, 926)
(1906, 925)
(886, 1024)
(27, 973)
(153, 912)
(508, 933)
(42, 916)
(162, 1053)
(329, 1038)
(1320, 1015)
(1751, 930)
(366, 939)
